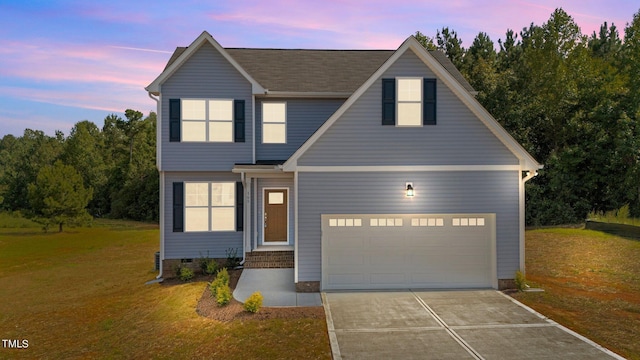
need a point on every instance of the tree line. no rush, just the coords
(92, 172)
(572, 100)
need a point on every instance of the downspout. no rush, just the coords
(161, 185)
(528, 176)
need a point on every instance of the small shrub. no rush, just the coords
(215, 284)
(212, 267)
(520, 280)
(224, 275)
(185, 273)
(254, 302)
(223, 295)
(221, 280)
(208, 265)
(232, 258)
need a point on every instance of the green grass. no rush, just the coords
(592, 284)
(81, 294)
(619, 216)
(15, 220)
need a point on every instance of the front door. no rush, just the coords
(275, 216)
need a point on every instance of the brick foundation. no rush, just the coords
(308, 286)
(506, 284)
(269, 260)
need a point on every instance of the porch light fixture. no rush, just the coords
(410, 189)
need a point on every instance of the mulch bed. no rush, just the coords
(207, 306)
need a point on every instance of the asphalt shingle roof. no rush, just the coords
(298, 70)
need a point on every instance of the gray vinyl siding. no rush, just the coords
(276, 183)
(358, 138)
(207, 74)
(185, 245)
(383, 193)
(304, 117)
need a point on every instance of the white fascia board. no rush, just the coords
(205, 37)
(305, 95)
(408, 168)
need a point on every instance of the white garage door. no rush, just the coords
(408, 251)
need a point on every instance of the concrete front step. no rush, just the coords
(269, 260)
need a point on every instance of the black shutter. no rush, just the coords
(178, 207)
(429, 103)
(388, 101)
(174, 120)
(239, 206)
(238, 120)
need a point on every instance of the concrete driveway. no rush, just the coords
(474, 324)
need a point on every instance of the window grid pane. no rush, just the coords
(409, 114)
(274, 112)
(193, 110)
(409, 89)
(221, 131)
(196, 219)
(223, 194)
(197, 194)
(223, 219)
(274, 133)
(194, 131)
(221, 110)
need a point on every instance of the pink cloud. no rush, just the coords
(64, 62)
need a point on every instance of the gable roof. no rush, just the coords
(179, 58)
(331, 72)
(526, 160)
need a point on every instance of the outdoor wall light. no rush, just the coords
(409, 189)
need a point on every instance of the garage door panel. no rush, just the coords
(409, 251)
(346, 279)
(387, 278)
(352, 257)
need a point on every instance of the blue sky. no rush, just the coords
(66, 61)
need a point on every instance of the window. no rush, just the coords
(409, 101)
(274, 123)
(209, 206)
(207, 120)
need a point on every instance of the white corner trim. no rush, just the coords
(408, 168)
(295, 227)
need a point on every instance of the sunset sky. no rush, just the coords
(66, 61)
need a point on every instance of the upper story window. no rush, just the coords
(408, 101)
(274, 122)
(207, 120)
(409, 104)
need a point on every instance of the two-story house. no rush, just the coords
(373, 169)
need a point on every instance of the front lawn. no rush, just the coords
(81, 294)
(591, 282)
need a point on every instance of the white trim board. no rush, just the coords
(401, 168)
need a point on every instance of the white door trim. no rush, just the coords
(261, 221)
